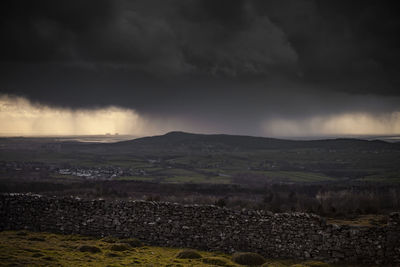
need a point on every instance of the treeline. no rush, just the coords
(333, 200)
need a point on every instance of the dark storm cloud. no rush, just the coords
(47, 30)
(353, 41)
(107, 50)
(235, 61)
(327, 40)
(224, 37)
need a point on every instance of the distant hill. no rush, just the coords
(182, 141)
(178, 157)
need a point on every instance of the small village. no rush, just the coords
(93, 173)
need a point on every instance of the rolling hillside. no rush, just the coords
(182, 141)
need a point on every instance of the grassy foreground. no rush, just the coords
(44, 249)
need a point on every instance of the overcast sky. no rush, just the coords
(267, 67)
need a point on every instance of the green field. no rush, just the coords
(298, 176)
(197, 179)
(134, 178)
(185, 176)
(389, 178)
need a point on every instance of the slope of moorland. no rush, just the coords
(24, 248)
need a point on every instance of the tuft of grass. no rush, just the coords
(133, 242)
(111, 254)
(110, 239)
(37, 239)
(316, 264)
(188, 254)
(218, 261)
(30, 250)
(248, 258)
(87, 248)
(120, 247)
(21, 233)
(273, 264)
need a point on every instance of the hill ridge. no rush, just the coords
(179, 140)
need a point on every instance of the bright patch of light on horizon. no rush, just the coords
(19, 116)
(342, 124)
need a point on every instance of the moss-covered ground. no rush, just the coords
(23, 248)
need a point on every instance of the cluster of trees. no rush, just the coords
(324, 199)
(334, 201)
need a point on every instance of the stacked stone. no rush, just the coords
(393, 237)
(281, 235)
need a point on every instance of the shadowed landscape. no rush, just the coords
(199, 133)
(333, 177)
(352, 183)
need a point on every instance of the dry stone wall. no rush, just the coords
(283, 235)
